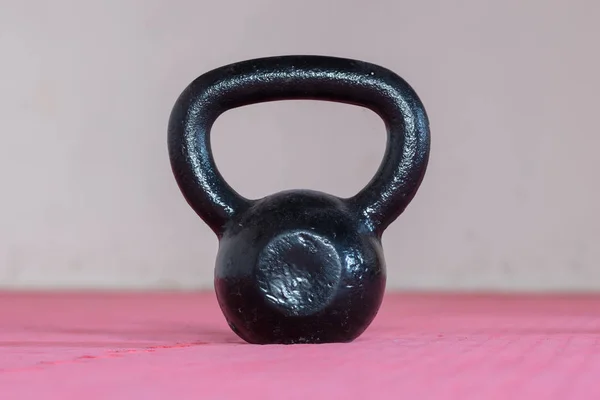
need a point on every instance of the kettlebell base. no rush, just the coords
(257, 322)
(337, 337)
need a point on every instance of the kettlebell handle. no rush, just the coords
(340, 80)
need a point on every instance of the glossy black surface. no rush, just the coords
(299, 266)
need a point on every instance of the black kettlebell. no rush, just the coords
(299, 266)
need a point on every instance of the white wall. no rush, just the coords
(510, 201)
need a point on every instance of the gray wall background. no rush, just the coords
(510, 201)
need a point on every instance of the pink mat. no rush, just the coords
(177, 346)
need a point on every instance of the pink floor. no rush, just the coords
(177, 346)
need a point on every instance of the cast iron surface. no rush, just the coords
(299, 266)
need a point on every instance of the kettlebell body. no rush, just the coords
(299, 266)
(296, 264)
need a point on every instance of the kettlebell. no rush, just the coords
(299, 266)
